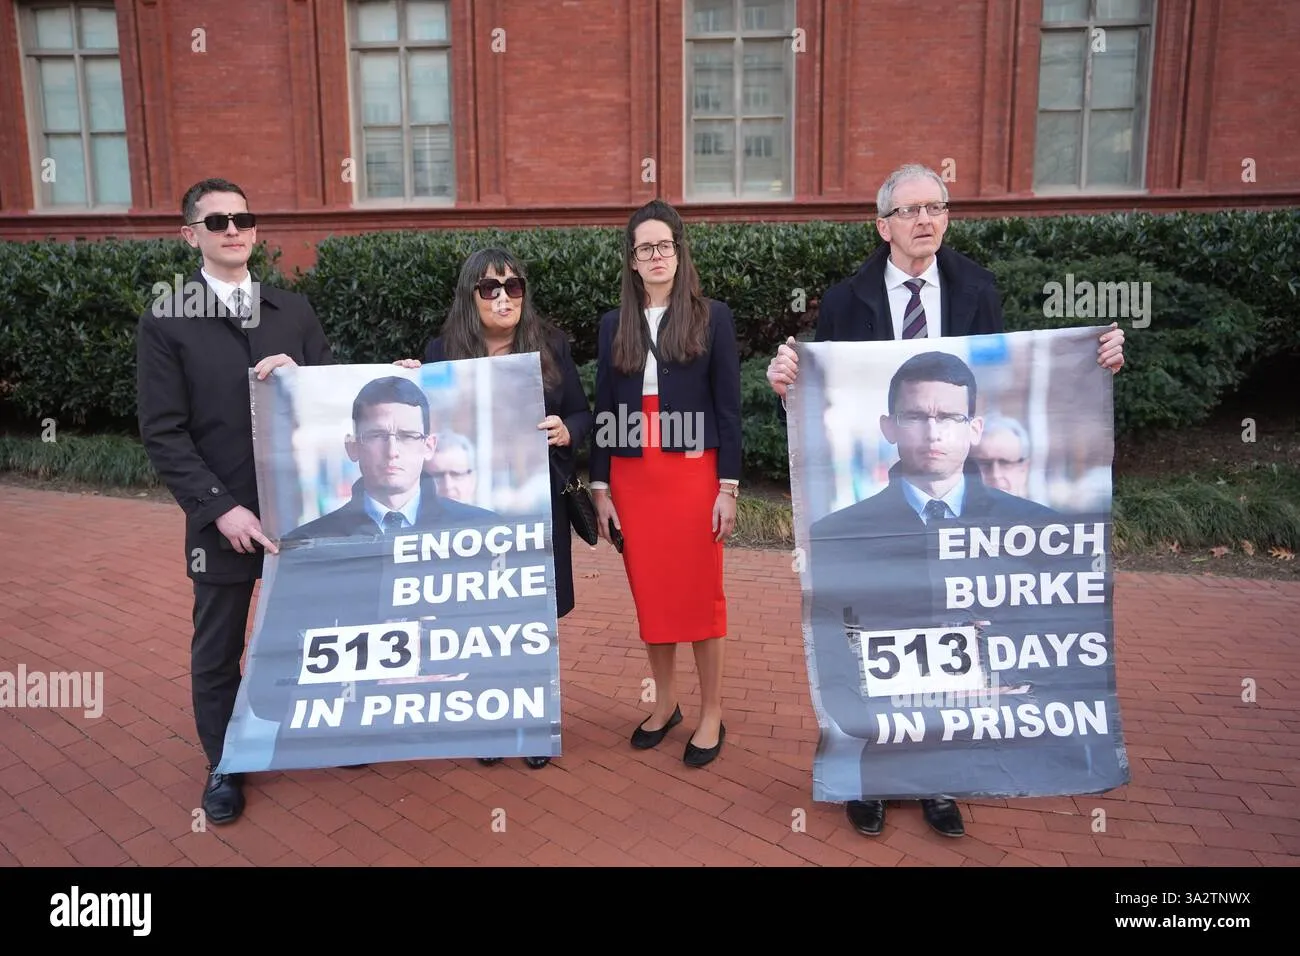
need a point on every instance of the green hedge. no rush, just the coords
(1225, 295)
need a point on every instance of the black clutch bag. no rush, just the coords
(580, 509)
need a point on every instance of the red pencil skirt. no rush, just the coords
(665, 503)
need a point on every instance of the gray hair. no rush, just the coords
(1003, 423)
(452, 441)
(885, 197)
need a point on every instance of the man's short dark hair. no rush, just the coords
(190, 202)
(392, 389)
(933, 367)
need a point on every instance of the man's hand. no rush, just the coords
(557, 433)
(783, 369)
(241, 528)
(1110, 353)
(271, 363)
(408, 363)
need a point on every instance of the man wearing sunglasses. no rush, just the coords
(196, 424)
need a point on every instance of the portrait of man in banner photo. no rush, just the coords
(952, 504)
(410, 611)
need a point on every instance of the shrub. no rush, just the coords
(1225, 285)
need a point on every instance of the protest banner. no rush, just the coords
(966, 649)
(380, 638)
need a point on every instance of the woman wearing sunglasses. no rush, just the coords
(492, 314)
(668, 362)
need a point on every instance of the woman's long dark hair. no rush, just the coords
(462, 331)
(684, 329)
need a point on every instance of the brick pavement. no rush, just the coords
(1216, 781)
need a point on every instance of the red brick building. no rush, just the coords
(355, 115)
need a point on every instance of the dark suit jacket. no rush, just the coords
(351, 519)
(195, 415)
(709, 385)
(868, 565)
(569, 402)
(856, 309)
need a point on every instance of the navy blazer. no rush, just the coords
(709, 386)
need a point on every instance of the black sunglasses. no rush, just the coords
(487, 288)
(220, 221)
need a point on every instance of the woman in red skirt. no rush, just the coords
(665, 463)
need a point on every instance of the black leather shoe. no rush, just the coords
(645, 739)
(698, 756)
(489, 761)
(537, 763)
(944, 817)
(867, 816)
(223, 797)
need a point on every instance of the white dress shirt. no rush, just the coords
(225, 290)
(900, 295)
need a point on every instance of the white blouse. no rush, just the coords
(650, 381)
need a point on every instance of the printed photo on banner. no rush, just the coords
(952, 506)
(410, 611)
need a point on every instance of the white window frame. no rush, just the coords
(737, 37)
(1141, 106)
(402, 47)
(34, 103)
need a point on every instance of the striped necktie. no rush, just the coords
(914, 319)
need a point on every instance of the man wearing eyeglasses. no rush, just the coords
(392, 443)
(353, 553)
(911, 286)
(865, 560)
(194, 352)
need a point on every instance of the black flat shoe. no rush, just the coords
(537, 763)
(645, 739)
(697, 756)
(489, 761)
(943, 817)
(223, 797)
(867, 816)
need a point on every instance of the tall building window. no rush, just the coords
(74, 105)
(401, 91)
(740, 99)
(1093, 89)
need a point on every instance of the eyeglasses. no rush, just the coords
(943, 420)
(404, 439)
(911, 212)
(998, 462)
(487, 288)
(220, 221)
(667, 248)
(444, 475)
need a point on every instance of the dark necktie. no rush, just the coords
(394, 522)
(914, 317)
(935, 510)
